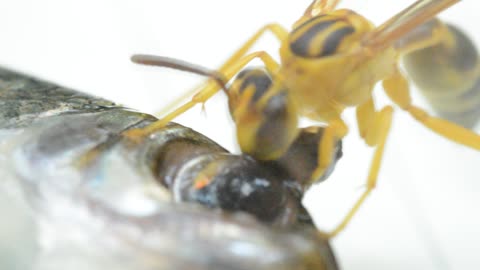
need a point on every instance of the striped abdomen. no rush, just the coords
(448, 77)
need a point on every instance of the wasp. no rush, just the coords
(329, 61)
(178, 200)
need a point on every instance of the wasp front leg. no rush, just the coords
(398, 90)
(374, 127)
(316, 8)
(320, 6)
(277, 30)
(335, 131)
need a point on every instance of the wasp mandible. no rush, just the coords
(330, 60)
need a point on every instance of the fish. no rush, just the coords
(76, 194)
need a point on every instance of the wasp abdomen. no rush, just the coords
(447, 75)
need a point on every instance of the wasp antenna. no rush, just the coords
(168, 62)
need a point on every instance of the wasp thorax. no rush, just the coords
(327, 35)
(264, 115)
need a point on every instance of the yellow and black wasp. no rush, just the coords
(331, 60)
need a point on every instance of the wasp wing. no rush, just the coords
(405, 21)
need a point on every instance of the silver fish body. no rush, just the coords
(113, 212)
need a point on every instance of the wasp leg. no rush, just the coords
(321, 6)
(336, 130)
(203, 94)
(374, 128)
(278, 31)
(398, 90)
(173, 105)
(315, 8)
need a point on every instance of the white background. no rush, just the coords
(424, 213)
